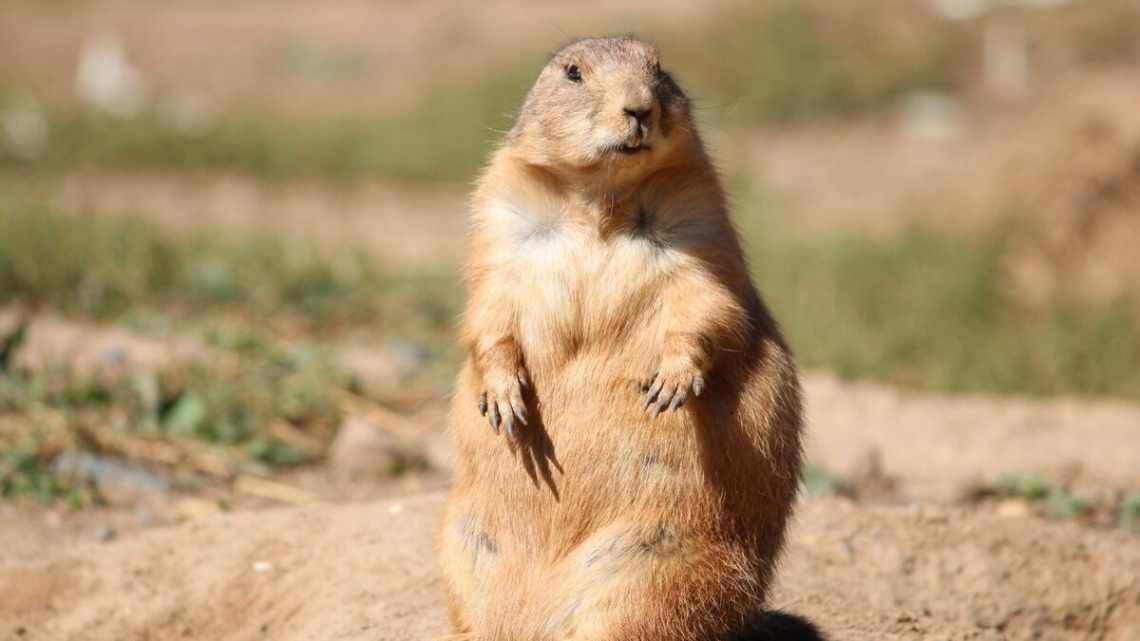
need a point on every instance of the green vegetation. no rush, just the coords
(1130, 513)
(1058, 502)
(252, 397)
(818, 481)
(447, 137)
(258, 403)
(109, 267)
(26, 471)
(789, 61)
(1054, 500)
(932, 311)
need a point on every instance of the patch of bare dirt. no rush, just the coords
(53, 341)
(936, 447)
(369, 572)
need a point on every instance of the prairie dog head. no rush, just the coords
(603, 106)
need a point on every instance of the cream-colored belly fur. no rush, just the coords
(605, 499)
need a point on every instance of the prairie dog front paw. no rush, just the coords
(502, 401)
(676, 379)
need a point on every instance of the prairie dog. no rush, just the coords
(628, 419)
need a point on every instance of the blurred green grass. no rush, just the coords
(235, 404)
(790, 61)
(104, 267)
(931, 311)
(444, 138)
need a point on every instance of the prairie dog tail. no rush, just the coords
(774, 625)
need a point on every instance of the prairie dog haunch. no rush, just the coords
(628, 419)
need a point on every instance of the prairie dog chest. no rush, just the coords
(573, 285)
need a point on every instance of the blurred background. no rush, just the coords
(230, 232)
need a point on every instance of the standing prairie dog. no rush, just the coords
(628, 420)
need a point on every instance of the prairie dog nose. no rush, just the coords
(640, 114)
(638, 102)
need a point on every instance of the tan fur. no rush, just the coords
(592, 271)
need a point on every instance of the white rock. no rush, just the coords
(363, 450)
(107, 80)
(961, 9)
(932, 117)
(970, 9)
(1005, 61)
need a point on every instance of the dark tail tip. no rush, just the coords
(778, 626)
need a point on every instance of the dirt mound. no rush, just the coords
(909, 573)
(936, 447)
(369, 572)
(365, 572)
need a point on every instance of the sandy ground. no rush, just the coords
(936, 448)
(913, 562)
(368, 571)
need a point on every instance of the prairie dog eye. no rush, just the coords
(573, 73)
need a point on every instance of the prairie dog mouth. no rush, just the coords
(636, 148)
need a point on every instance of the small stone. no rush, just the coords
(105, 534)
(119, 481)
(262, 567)
(932, 117)
(195, 508)
(363, 450)
(114, 357)
(1013, 509)
(147, 517)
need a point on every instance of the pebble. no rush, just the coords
(362, 449)
(1013, 509)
